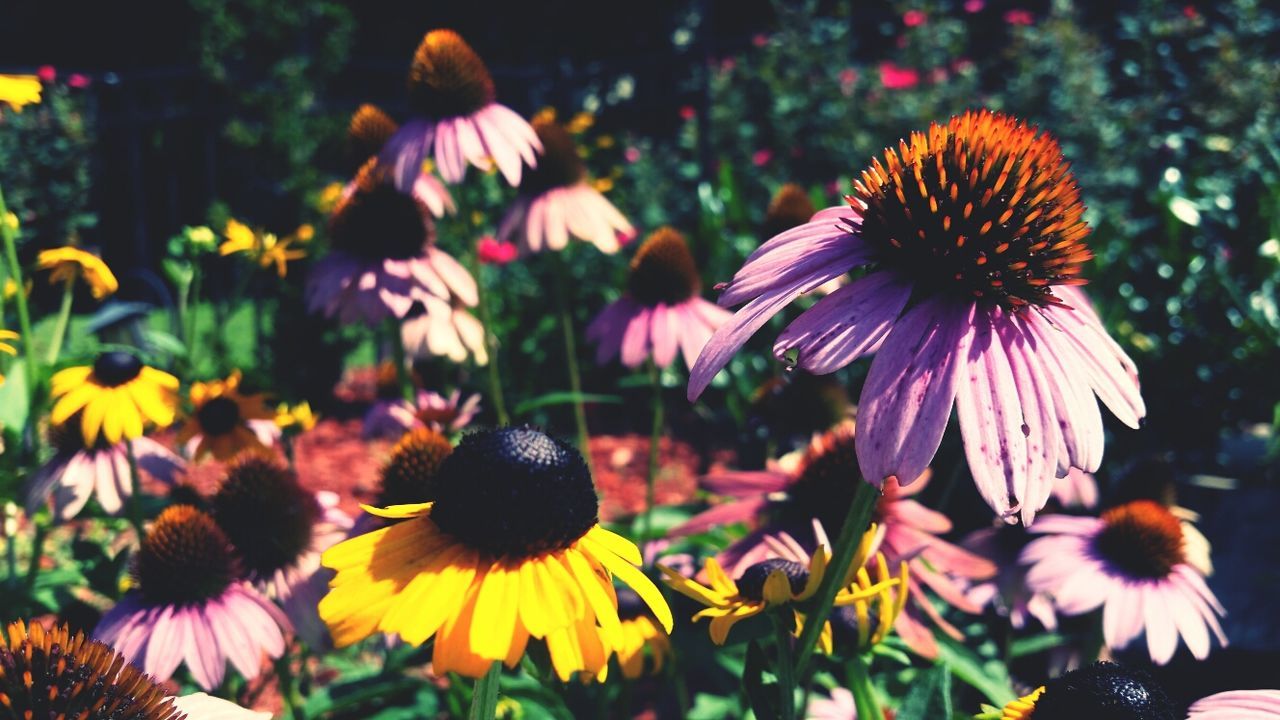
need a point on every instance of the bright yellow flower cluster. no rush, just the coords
(265, 249)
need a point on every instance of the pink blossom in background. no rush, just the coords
(687, 113)
(914, 18)
(78, 81)
(47, 74)
(759, 40)
(898, 78)
(492, 251)
(631, 154)
(938, 75)
(848, 78)
(973, 6)
(1237, 705)
(761, 157)
(1190, 12)
(1018, 16)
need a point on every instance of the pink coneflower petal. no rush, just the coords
(635, 341)
(907, 404)
(608, 328)
(164, 649)
(812, 252)
(557, 227)
(723, 514)
(1079, 341)
(746, 484)
(663, 334)
(1238, 705)
(844, 325)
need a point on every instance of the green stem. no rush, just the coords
(37, 552)
(655, 438)
(135, 497)
(60, 326)
(402, 364)
(571, 360)
(846, 546)
(289, 687)
(20, 302)
(491, 344)
(785, 669)
(864, 695)
(484, 701)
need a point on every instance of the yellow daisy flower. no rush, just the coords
(1023, 707)
(20, 90)
(299, 418)
(224, 422)
(68, 263)
(641, 637)
(7, 336)
(266, 249)
(510, 551)
(867, 620)
(118, 396)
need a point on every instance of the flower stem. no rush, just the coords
(135, 497)
(785, 670)
(846, 546)
(491, 344)
(37, 552)
(864, 695)
(19, 301)
(655, 438)
(402, 364)
(60, 326)
(484, 701)
(571, 360)
(289, 687)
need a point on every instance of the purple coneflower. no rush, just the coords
(391, 418)
(661, 312)
(384, 260)
(188, 604)
(557, 200)
(446, 329)
(1007, 592)
(452, 95)
(367, 134)
(975, 238)
(279, 531)
(1238, 705)
(1131, 562)
(75, 471)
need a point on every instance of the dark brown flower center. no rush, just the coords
(410, 474)
(447, 78)
(791, 206)
(1104, 691)
(268, 516)
(116, 368)
(377, 222)
(369, 130)
(751, 584)
(1142, 538)
(560, 165)
(825, 486)
(218, 416)
(57, 674)
(184, 559)
(514, 493)
(983, 206)
(663, 270)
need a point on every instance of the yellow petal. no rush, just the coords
(721, 626)
(777, 588)
(604, 606)
(496, 613)
(691, 588)
(719, 578)
(617, 544)
(94, 412)
(817, 568)
(535, 601)
(64, 381)
(639, 582)
(73, 402)
(432, 597)
(398, 512)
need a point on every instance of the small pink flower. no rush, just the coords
(727, 65)
(1018, 16)
(914, 18)
(687, 113)
(631, 154)
(78, 81)
(973, 6)
(761, 157)
(47, 74)
(759, 40)
(938, 75)
(1190, 12)
(495, 252)
(898, 78)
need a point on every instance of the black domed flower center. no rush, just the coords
(826, 484)
(559, 165)
(1142, 538)
(844, 625)
(790, 206)
(185, 558)
(218, 416)
(57, 674)
(514, 493)
(116, 368)
(751, 584)
(447, 78)
(369, 130)
(663, 270)
(410, 474)
(1104, 691)
(983, 206)
(268, 516)
(377, 222)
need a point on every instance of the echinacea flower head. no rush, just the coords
(1007, 591)
(457, 120)
(226, 422)
(790, 207)
(18, 91)
(279, 530)
(66, 264)
(116, 397)
(975, 240)
(642, 646)
(55, 673)
(1103, 690)
(661, 313)
(383, 260)
(78, 471)
(187, 604)
(1132, 562)
(368, 132)
(1237, 705)
(409, 475)
(510, 550)
(557, 200)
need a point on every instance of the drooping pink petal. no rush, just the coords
(635, 341)
(1079, 419)
(842, 326)
(1186, 617)
(727, 513)
(1162, 634)
(1080, 338)
(790, 264)
(664, 333)
(1238, 705)
(1039, 419)
(745, 483)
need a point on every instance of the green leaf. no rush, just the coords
(1035, 644)
(929, 696)
(564, 398)
(990, 678)
(760, 694)
(15, 398)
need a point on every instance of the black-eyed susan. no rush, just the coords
(6, 338)
(225, 422)
(642, 645)
(66, 264)
(116, 397)
(295, 418)
(1103, 690)
(509, 551)
(265, 249)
